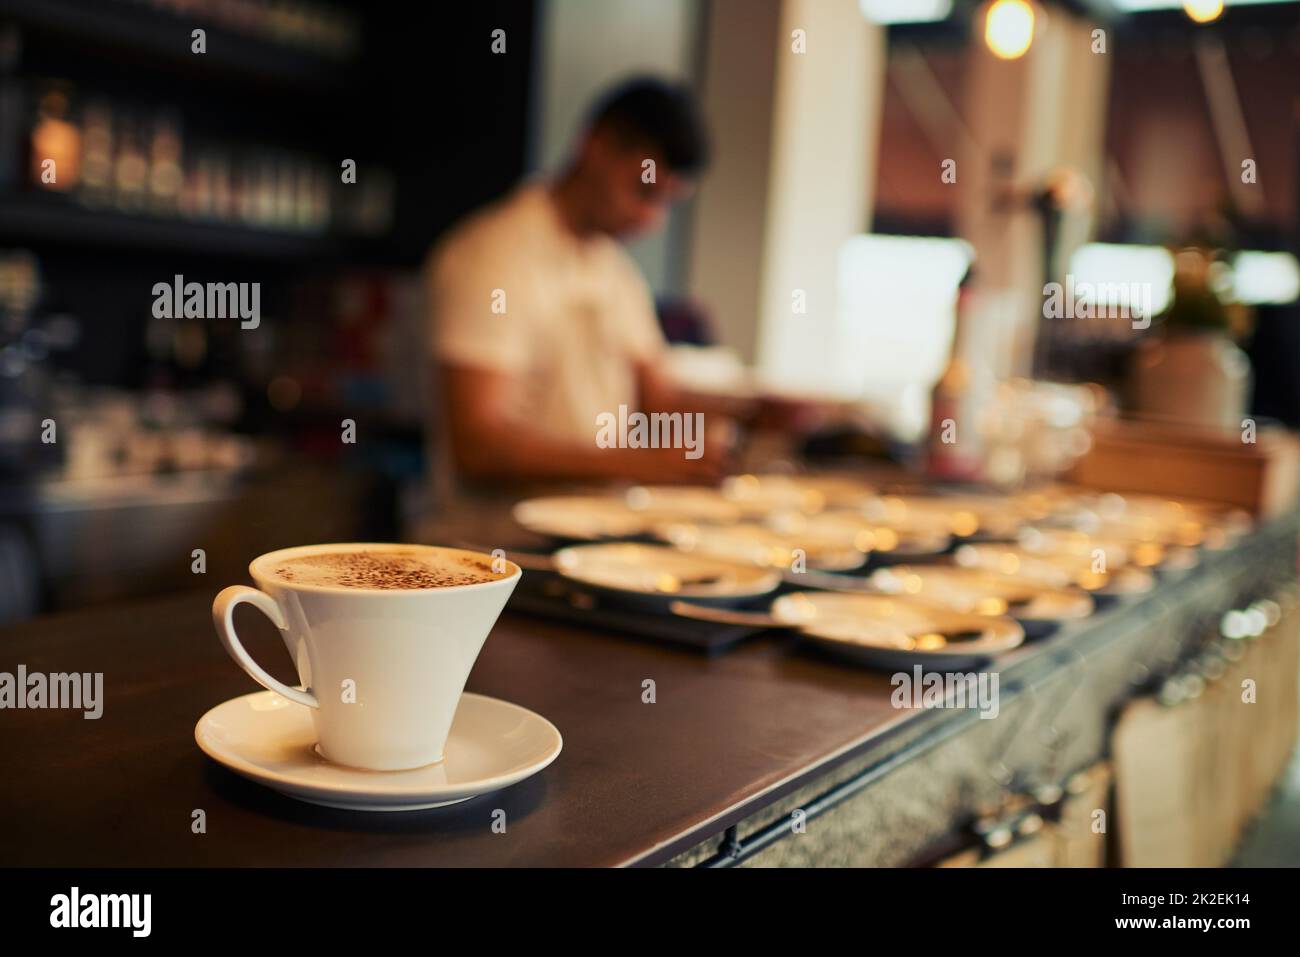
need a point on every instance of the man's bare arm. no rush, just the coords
(661, 394)
(488, 443)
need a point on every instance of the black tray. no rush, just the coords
(552, 597)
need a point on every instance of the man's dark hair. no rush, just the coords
(662, 115)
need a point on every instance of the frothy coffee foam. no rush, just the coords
(391, 569)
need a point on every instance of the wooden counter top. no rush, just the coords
(636, 783)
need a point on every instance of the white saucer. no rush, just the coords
(270, 739)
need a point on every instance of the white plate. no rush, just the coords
(961, 515)
(682, 503)
(853, 528)
(1059, 569)
(759, 545)
(805, 493)
(1087, 548)
(582, 517)
(270, 739)
(596, 517)
(1153, 518)
(1118, 545)
(889, 632)
(662, 572)
(978, 592)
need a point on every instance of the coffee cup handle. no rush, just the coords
(223, 617)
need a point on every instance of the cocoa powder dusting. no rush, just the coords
(385, 570)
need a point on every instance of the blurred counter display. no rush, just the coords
(1023, 431)
(116, 434)
(80, 542)
(1005, 434)
(106, 491)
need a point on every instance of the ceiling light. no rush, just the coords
(1203, 11)
(1009, 28)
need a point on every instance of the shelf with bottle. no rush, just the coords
(96, 170)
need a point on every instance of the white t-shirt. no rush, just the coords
(577, 317)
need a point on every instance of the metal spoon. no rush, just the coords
(758, 619)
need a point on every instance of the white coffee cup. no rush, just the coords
(383, 668)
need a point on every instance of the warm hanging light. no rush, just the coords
(1203, 11)
(1009, 28)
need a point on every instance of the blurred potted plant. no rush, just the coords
(1188, 369)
